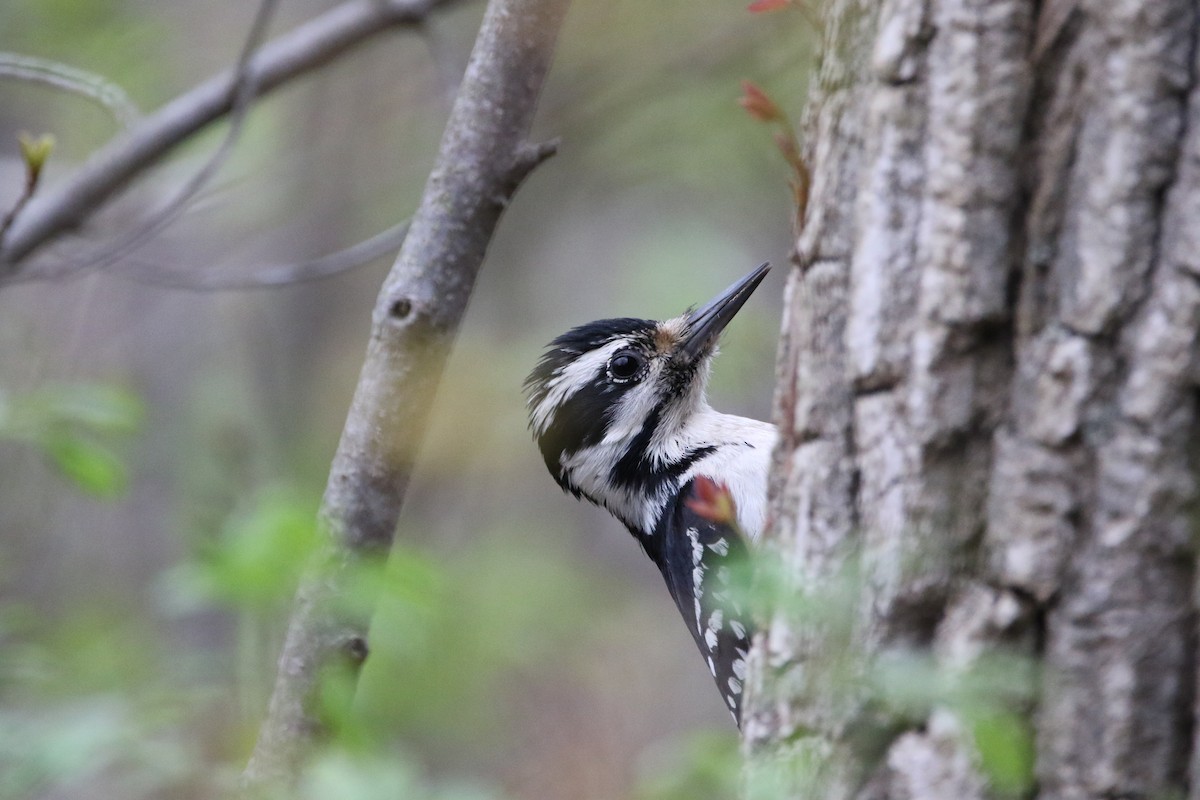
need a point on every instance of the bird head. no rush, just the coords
(607, 399)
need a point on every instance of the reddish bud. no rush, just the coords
(712, 501)
(760, 6)
(757, 104)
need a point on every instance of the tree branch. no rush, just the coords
(270, 276)
(108, 95)
(483, 158)
(114, 166)
(244, 91)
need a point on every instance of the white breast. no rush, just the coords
(741, 461)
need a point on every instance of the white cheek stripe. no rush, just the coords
(573, 377)
(633, 409)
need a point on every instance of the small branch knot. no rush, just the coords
(356, 649)
(401, 308)
(530, 154)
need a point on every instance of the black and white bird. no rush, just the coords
(619, 412)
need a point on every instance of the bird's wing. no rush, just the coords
(701, 560)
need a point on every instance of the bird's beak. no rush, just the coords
(706, 324)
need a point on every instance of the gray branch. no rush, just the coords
(244, 92)
(484, 156)
(267, 276)
(68, 204)
(108, 95)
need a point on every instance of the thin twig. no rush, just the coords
(315, 43)
(31, 184)
(243, 90)
(34, 153)
(484, 156)
(273, 276)
(108, 95)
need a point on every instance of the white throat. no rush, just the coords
(740, 459)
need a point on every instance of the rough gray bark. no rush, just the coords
(987, 393)
(484, 156)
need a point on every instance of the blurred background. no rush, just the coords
(163, 448)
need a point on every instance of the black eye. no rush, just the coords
(625, 366)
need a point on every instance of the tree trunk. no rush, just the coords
(484, 157)
(987, 399)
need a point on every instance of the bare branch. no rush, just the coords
(114, 166)
(245, 87)
(111, 97)
(484, 156)
(273, 276)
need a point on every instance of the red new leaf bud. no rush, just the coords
(759, 6)
(757, 104)
(712, 501)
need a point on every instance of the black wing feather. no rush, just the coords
(695, 547)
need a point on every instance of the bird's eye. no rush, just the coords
(624, 366)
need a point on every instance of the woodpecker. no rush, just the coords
(619, 412)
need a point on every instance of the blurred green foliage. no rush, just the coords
(85, 702)
(350, 776)
(95, 697)
(77, 427)
(98, 700)
(989, 697)
(256, 558)
(981, 702)
(703, 766)
(107, 36)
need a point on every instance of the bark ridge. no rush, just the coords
(987, 393)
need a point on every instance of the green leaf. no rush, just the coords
(96, 407)
(257, 559)
(1005, 744)
(90, 465)
(703, 765)
(73, 425)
